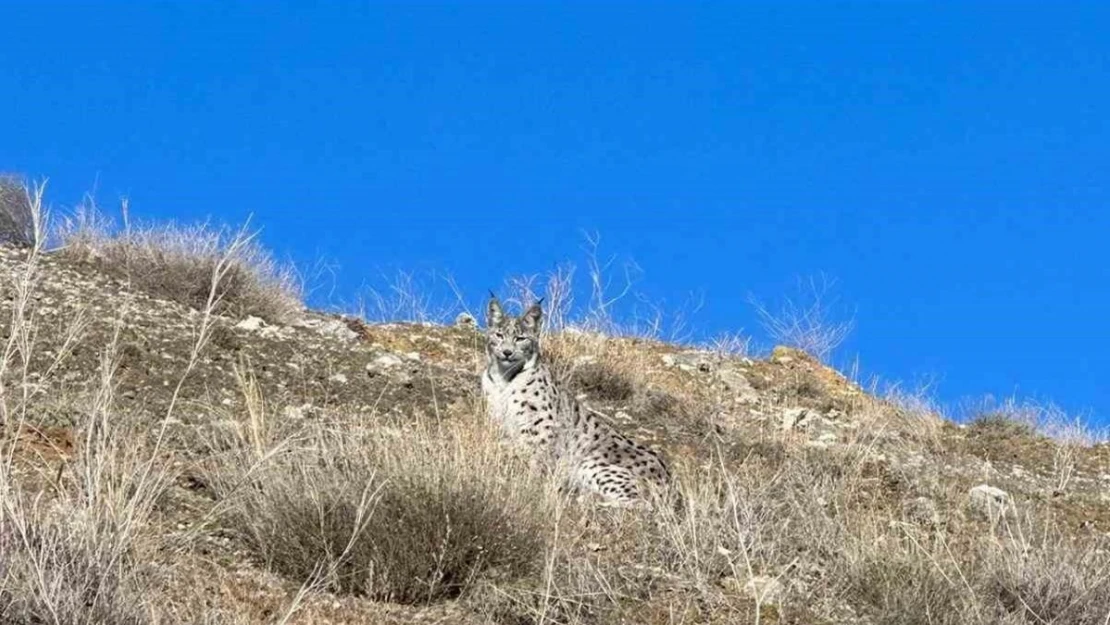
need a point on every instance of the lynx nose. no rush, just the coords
(506, 352)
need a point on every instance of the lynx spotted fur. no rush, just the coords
(547, 421)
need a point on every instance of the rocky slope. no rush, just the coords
(913, 476)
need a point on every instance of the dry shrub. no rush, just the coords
(1000, 425)
(409, 515)
(808, 321)
(598, 381)
(810, 536)
(80, 540)
(18, 213)
(74, 554)
(73, 536)
(1035, 574)
(177, 262)
(602, 367)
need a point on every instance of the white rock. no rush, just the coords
(989, 499)
(334, 328)
(338, 378)
(795, 418)
(251, 323)
(388, 361)
(734, 381)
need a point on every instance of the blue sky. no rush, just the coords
(946, 162)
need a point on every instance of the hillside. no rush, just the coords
(167, 463)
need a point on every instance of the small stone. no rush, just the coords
(668, 360)
(338, 378)
(466, 320)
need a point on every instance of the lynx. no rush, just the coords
(534, 413)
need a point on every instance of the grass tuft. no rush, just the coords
(177, 262)
(410, 516)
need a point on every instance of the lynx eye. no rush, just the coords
(521, 339)
(499, 335)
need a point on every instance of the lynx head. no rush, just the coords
(512, 342)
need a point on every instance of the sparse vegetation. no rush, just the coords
(807, 321)
(408, 515)
(176, 262)
(353, 480)
(1001, 424)
(73, 513)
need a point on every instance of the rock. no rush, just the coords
(689, 361)
(466, 320)
(737, 383)
(338, 378)
(989, 500)
(251, 324)
(734, 380)
(337, 329)
(782, 354)
(334, 328)
(796, 418)
(387, 361)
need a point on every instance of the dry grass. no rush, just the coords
(807, 321)
(71, 533)
(348, 506)
(73, 552)
(409, 515)
(79, 504)
(176, 263)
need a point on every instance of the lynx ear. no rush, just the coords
(531, 318)
(494, 314)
